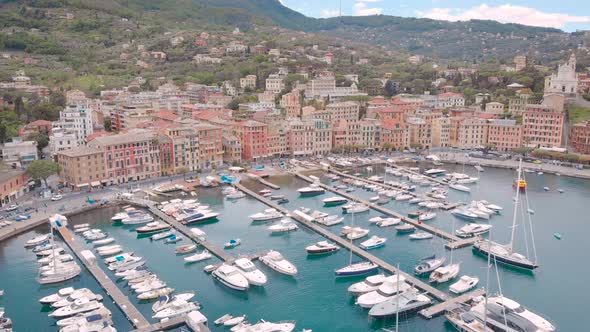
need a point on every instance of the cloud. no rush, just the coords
(361, 9)
(325, 13)
(369, 0)
(505, 14)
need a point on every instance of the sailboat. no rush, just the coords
(358, 268)
(61, 271)
(504, 253)
(447, 272)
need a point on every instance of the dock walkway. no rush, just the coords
(130, 311)
(440, 308)
(268, 184)
(440, 295)
(172, 323)
(218, 252)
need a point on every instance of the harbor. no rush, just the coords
(289, 298)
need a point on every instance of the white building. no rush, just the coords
(565, 81)
(275, 83)
(76, 119)
(61, 140)
(19, 153)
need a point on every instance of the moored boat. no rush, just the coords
(322, 247)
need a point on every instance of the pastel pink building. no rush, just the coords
(542, 126)
(253, 137)
(504, 135)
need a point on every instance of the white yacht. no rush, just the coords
(460, 187)
(390, 287)
(96, 323)
(463, 320)
(61, 294)
(79, 306)
(330, 220)
(266, 215)
(464, 284)
(37, 240)
(426, 216)
(387, 222)
(153, 227)
(409, 301)
(155, 293)
(322, 247)
(201, 256)
(100, 313)
(429, 264)
(264, 326)
(335, 200)
(355, 207)
(357, 233)
(137, 218)
(444, 273)
(230, 277)
(312, 189)
(473, 229)
(77, 294)
(403, 197)
(370, 284)
(373, 242)
(277, 262)
(285, 225)
(176, 308)
(421, 236)
(246, 268)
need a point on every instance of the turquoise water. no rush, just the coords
(314, 298)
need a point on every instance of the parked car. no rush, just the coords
(56, 197)
(12, 207)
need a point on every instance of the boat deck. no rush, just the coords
(430, 229)
(440, 295)
(440, 308)
(130, 311)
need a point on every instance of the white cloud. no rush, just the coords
(361, 9)
(325, 13)
(506, 14)
(369, 0)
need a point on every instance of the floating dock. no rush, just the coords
(441, 308)
(172, 323)
(130, 311)
(440, 295)
(268, 184)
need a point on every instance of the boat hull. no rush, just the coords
(228, 284)
(344, 273)
(504, 260)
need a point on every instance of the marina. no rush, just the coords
(315, 276)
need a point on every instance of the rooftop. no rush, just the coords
(7, 174)
(79, 151)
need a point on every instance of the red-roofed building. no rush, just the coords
(166, 116)
(394, 134)
(38, 126)
(96, 134)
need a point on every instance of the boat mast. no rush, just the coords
(513, 230)
(53, 248)
(351, 230)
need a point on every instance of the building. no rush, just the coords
(301, 137)
(232, 149)
(13, 184)
(472, 133)
(394, 135)
(517, 104)
(580, 137)
(542, 126)
(441, 132)
(19, 153)
(520, 62)
(494, 108)
(324, 87)
(370, 133)
(82, 167)
(76, 119)
(565, 81)
(420, 132)
(253, 138)
(248, 82)
(61, 140)
(274, 83)
(504, 135)
(290, 103)
(449, 99)
(347, 110)
(134, 155)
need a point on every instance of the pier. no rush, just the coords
(171, 323)
(130, 311)
(440, 308)
(268, 184)
(440, 295)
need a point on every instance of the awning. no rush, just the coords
(82, 185)
(95, 183)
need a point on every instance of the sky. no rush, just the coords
(568, 15)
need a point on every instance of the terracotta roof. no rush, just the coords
(391, 124)
(79, 151)
(40, 123)
(167, 115)
(98, 133)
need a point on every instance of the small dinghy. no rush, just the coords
(232, 243)
(222, 319)
(405, 228)
(173, 239)
(421, 236)
(234, 321)
(102, 242)
(188, 248)
(464, 284)
(203, 255)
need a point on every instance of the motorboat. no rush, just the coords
(406, 302)
(92, 324)
(421, 236)
(137, 218)
(277, 262)
(460, 187)
(266, 215)
(374, 199)
(370, 284)
(222, 319)
(355, 207)
(464, 214)
(387, 222)
(100, 313)
(130, 274)
(230, 277)
(427, 216)
(148, 285)
(434, 172)
(268, 326)
(322, 247)
(201, 256)
(391, 286)
(317, 214)
(444, 273)
(130, 265)
(472, 229)
(232, 243)
(463, 320)
(311, 190)
(59, 275)
(185, 249)
(235, 195)
(250, 271)
(176, 308)
(78, 294)
(405, 228)
(464, 284)
(491, 206)
(58, 258)
(357, 269)
(51, 252)
(37, 240)
(102, 242)
(479, 213)
(94, 234)
(403, 197)
(377, 219)
(79, 306)
(199, 233)
(415, 214)
(330, 220)
(61, 294)
(42, 247)
(121, 257)
(373, 242)
(163, 235)
(234, 321)
(357, 233)
(285, 225)
(429, 264)
(335, 200)
(155, 293)
(109, 250)
(499, 310)
(303, 209)
(153, 227)
(173, 239)
(416, 200)
(164, 300)
(276, 197)
(200, 217)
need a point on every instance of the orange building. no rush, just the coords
(13, 184)
(253, 138)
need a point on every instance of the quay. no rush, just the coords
(439, 295)
(130, 311)
(268, 184)
(218, 252)
(423, 226)
(171, 323)
(440, 308)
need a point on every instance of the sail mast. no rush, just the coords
(513, 230)
(350, 234)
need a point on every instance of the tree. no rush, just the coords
(107, 124)
(41, 139)
(183, 171)
(42, 169)
(390, 89)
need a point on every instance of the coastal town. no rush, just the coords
(259, 176)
